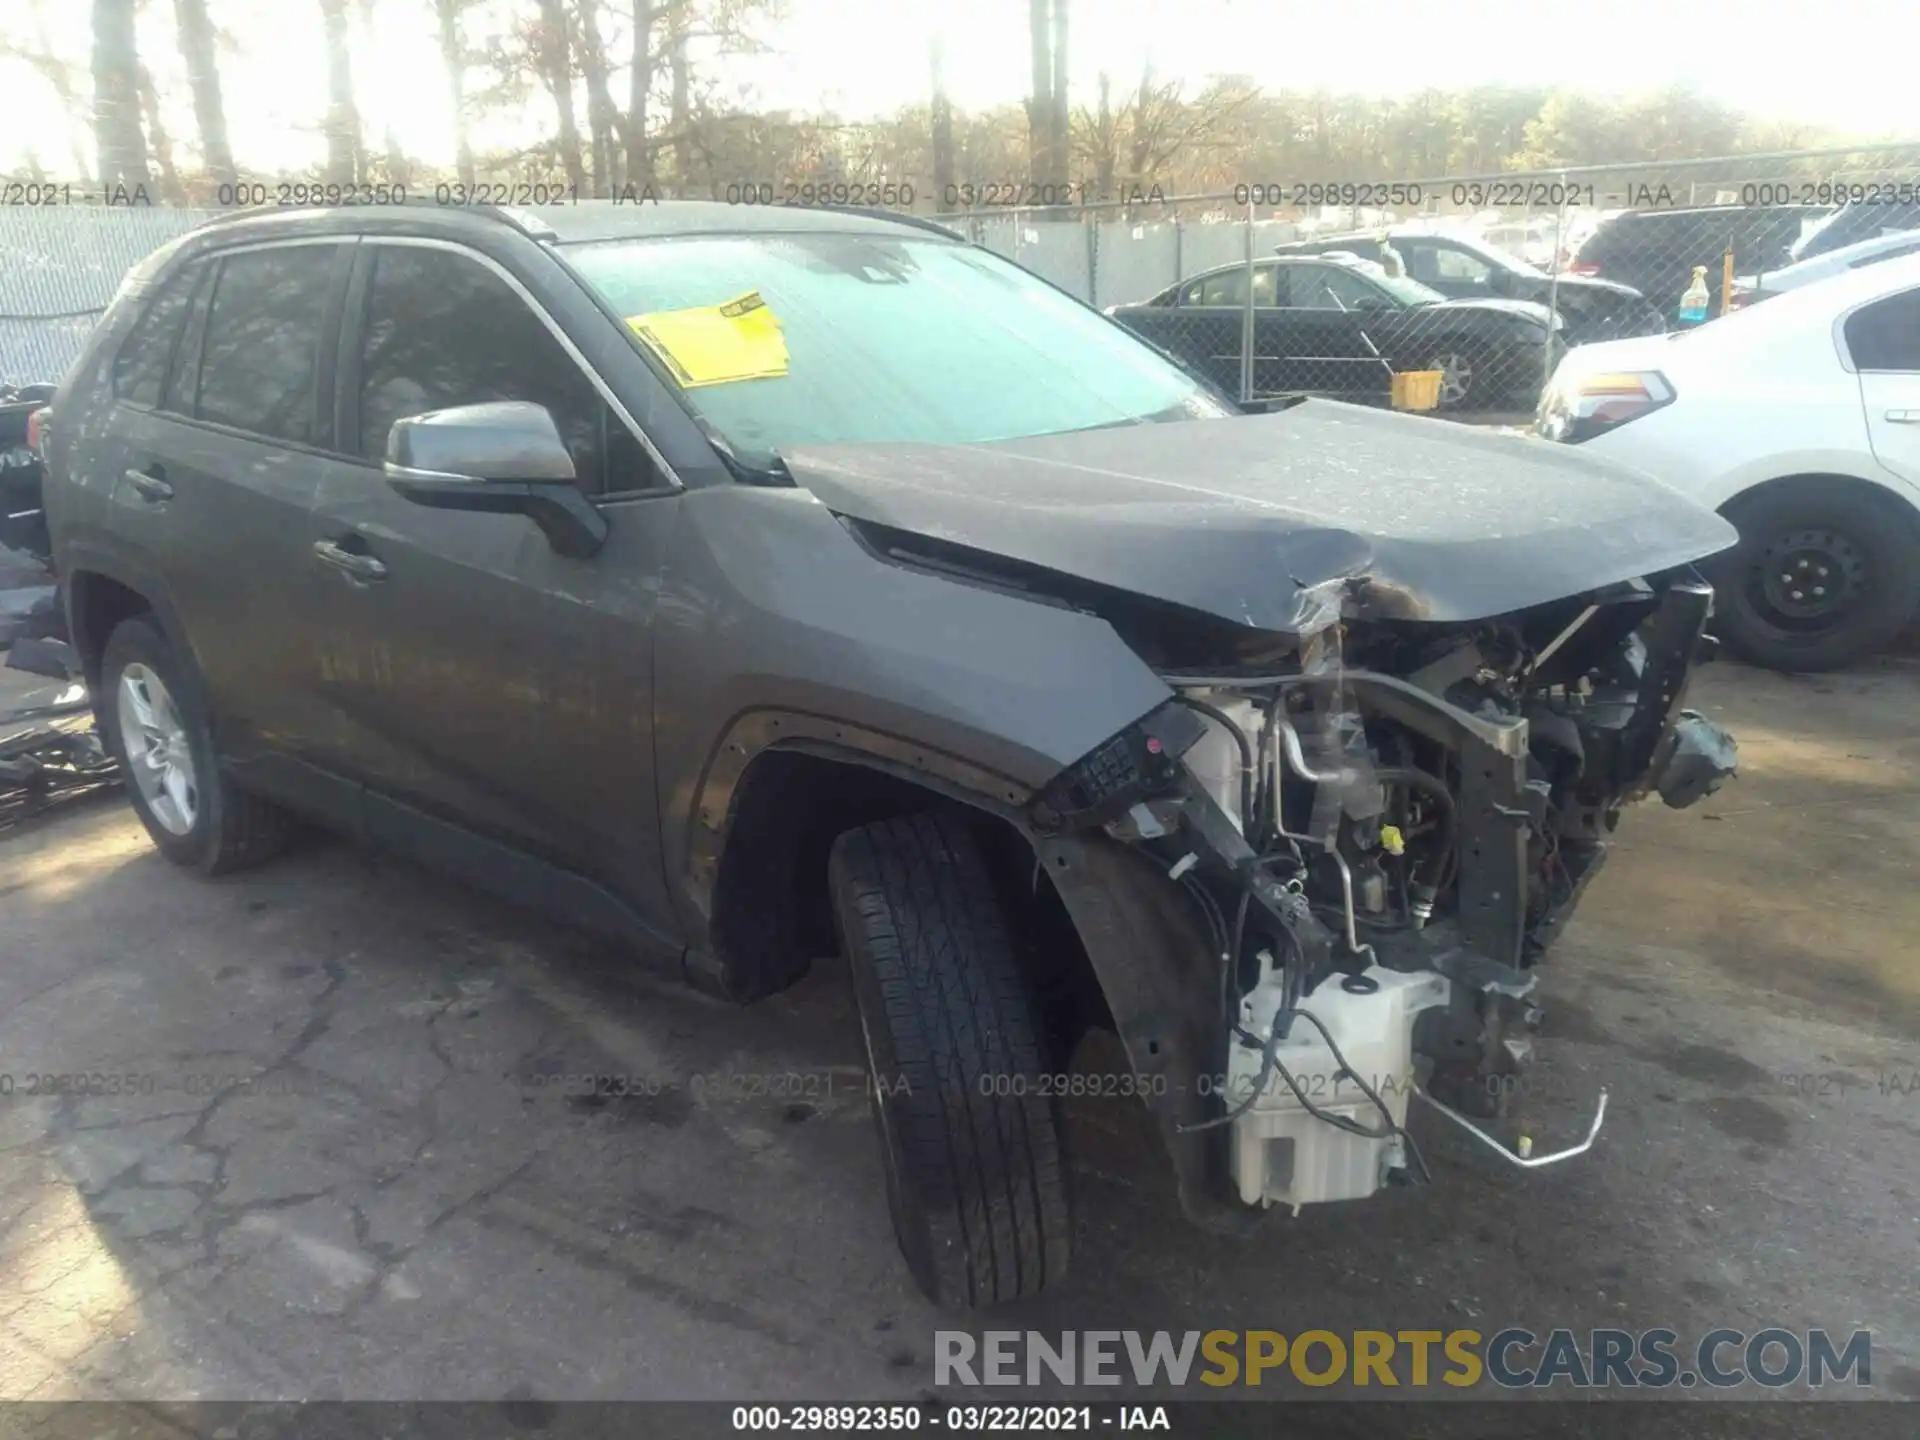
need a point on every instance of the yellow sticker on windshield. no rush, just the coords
(717, 344)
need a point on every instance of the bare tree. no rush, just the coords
(159, 143)
(555, 53)
(1099, 140)
(61, 75)
(680, 116)
(1049, 138)
(1059, 149)
(603, 120)
(1145, 116)
(639, 87)
(1040, 112)
(453, 57)
(389, 137)
(942, 126)
(1163, 128)
(343, 115)
(196, 40)
(116, 95)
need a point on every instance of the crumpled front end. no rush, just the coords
(1379, 827)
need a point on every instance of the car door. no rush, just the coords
(1883, 341)
(1331, 315)
(218, 436)
(1206, 325)
(468, 669)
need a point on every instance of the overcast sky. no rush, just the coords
(1852, 69)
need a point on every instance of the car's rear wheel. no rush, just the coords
(1826, 572)
(155, 724)
(976, 1181)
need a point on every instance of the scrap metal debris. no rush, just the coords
(50, 751)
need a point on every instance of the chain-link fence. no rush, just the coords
(59, 266)
(1472, 287)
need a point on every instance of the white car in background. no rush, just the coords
(1799, 420)
(1751, 289)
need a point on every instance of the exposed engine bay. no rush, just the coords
(1383, 825)
(1415, 674)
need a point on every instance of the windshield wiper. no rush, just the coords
(774, 472)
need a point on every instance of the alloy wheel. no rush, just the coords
(159, 754)
(1456, 377)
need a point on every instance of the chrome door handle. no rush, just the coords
(1903, 417)
(360, 567)
(150, 484)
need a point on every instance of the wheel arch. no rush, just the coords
(99, 595)
(1904, 502)
(780, 787)
(1108, 940)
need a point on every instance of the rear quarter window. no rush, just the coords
(1886, 334)
(140, 369)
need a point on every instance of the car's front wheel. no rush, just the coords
(969, 1134)
(155, 725)
(1826, 572)
(1466, 377)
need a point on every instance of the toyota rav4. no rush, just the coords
(752, 585)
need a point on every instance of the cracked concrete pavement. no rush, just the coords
(341, 1156)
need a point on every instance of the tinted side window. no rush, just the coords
(1328, 287)
(1229, 287)
(1453, 264)
(443, 330)
(1886, 334)
(261, 353)
(140, 369)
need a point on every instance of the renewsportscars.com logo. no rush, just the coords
(1514, 1358)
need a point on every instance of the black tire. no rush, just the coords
(976, 1181)
(230, 829)
(1870, 542)
(1524, 375)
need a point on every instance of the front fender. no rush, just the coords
(775, 624)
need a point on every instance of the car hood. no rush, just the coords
(1280, 522)
(1529, 309)
(1589, 285)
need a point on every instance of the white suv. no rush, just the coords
(1799, 420)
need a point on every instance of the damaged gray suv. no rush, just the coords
(756, 584)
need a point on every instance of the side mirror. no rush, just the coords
(503, 459)
(1499, 282)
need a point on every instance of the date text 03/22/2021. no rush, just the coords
(954, 1419)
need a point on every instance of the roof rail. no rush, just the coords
(523, 220)
(876, 212)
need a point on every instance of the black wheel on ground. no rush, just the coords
(154, 722)
(1826, 572)
(976, 1179)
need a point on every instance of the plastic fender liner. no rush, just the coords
(1152, 960)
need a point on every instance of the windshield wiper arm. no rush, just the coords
(774, 472)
